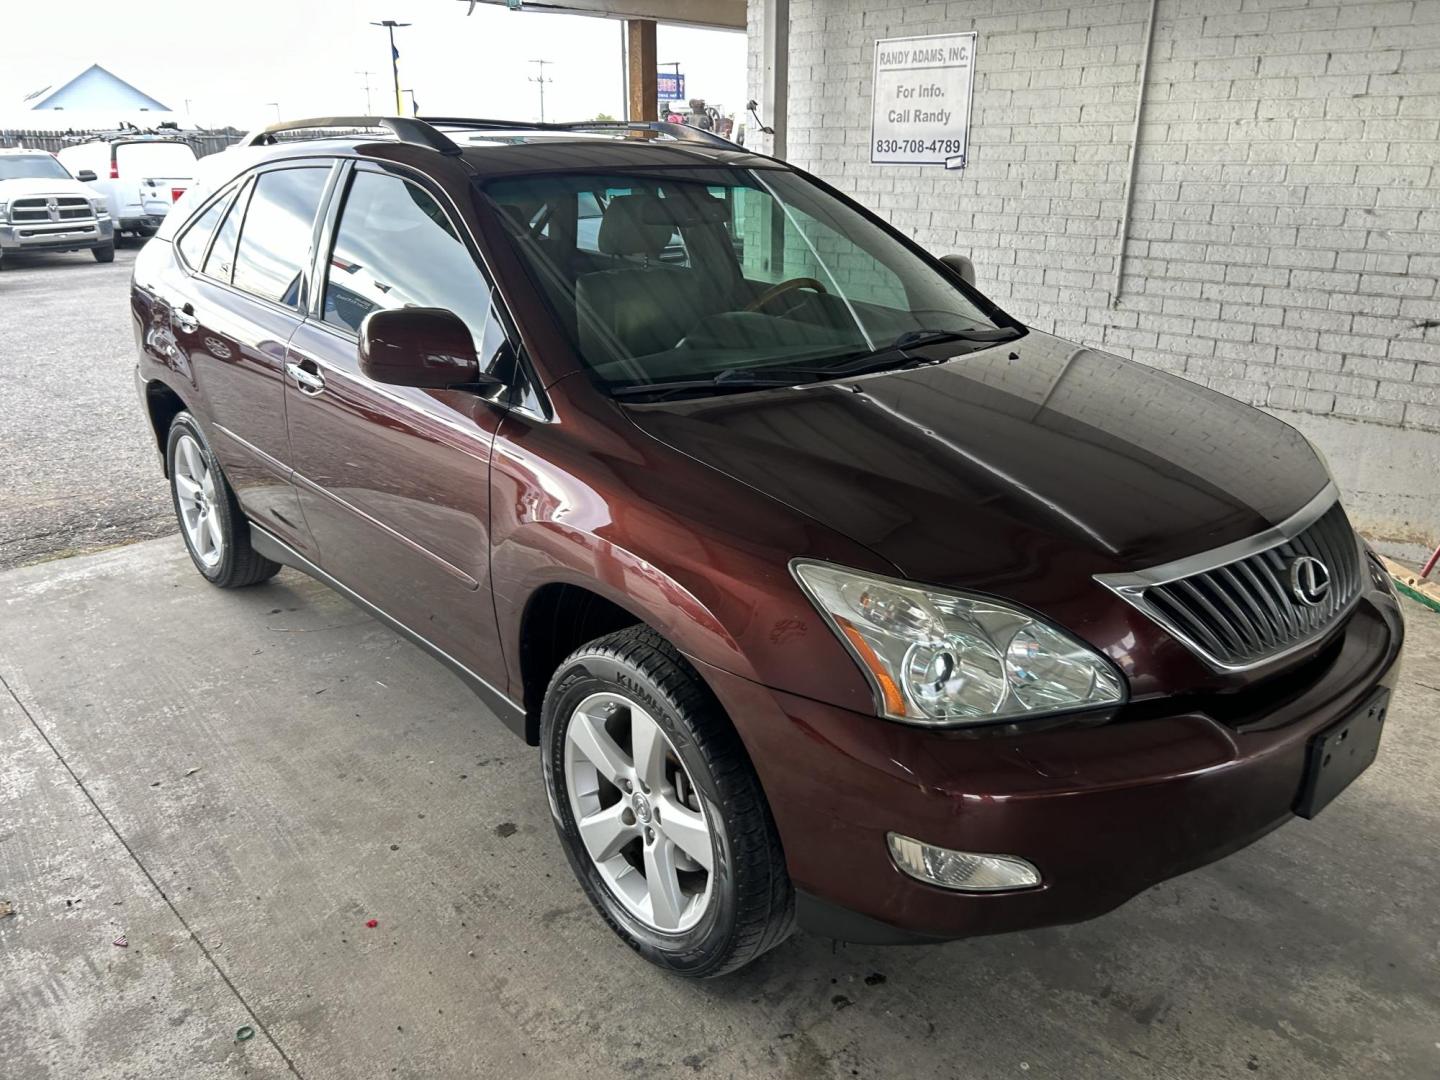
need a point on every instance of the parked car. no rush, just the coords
(44, 208)
(829, 592)
(140, 176)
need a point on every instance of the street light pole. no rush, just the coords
(276, 106)
(542, 80)
(390, 25)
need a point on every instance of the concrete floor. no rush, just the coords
(238, 781)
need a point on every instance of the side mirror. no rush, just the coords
(86, 176)
(964, 269)
(425, 347)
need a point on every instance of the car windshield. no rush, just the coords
(31, 166)
(718, 279)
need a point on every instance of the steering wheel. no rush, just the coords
(784, 288)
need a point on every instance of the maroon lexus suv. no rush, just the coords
(831, 594)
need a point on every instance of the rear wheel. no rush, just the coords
(216, 532)
(104, 253)
(659, 809)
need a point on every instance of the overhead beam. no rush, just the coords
(721, 14)
(640, 69)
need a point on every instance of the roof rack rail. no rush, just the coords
(680, 132)
(407, 129)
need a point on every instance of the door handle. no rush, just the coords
(310, 382)
(184, 319)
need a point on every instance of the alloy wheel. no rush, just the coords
(196, 496)
(638, 814)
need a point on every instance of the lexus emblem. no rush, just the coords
(1309, 580)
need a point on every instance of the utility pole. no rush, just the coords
(542, 80)
(390, 25)
(369, 104)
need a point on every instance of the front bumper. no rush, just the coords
(56, 236)
(1103, 811)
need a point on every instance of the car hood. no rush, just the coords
(32, 185)
(1001, 465)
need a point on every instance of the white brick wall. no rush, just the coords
(1285, 237)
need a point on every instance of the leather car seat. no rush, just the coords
(647, 307)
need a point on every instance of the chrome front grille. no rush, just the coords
(1247, 603)
(30, 210)
(36, 209)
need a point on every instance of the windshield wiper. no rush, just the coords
(851, 364)
(729, 379)
(886, 357)
(915, 339)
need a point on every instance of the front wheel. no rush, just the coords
(105, 253)
(215, 530)
(659, 809)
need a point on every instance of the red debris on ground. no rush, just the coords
(373, 923)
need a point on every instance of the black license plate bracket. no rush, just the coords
(1340, 753)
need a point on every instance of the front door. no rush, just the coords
(394, 481)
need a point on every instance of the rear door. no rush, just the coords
(394, 481)
(232, 317)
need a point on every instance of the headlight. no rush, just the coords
(97, 206)
(945, 658)
(4, 210)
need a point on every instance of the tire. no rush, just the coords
(105, 253)
(214, 529)
(729, 913)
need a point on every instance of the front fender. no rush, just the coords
(698, 556)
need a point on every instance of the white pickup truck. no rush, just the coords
(44, 208)
(140, 176)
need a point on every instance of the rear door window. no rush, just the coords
(395, 247)
(274, 249)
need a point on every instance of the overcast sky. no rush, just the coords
(229, 60)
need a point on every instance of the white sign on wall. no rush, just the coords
(922, 96)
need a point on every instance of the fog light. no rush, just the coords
(961, 870)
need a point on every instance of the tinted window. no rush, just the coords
(275, 239)
(394, 247)
(222, 252)
(192, 244)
